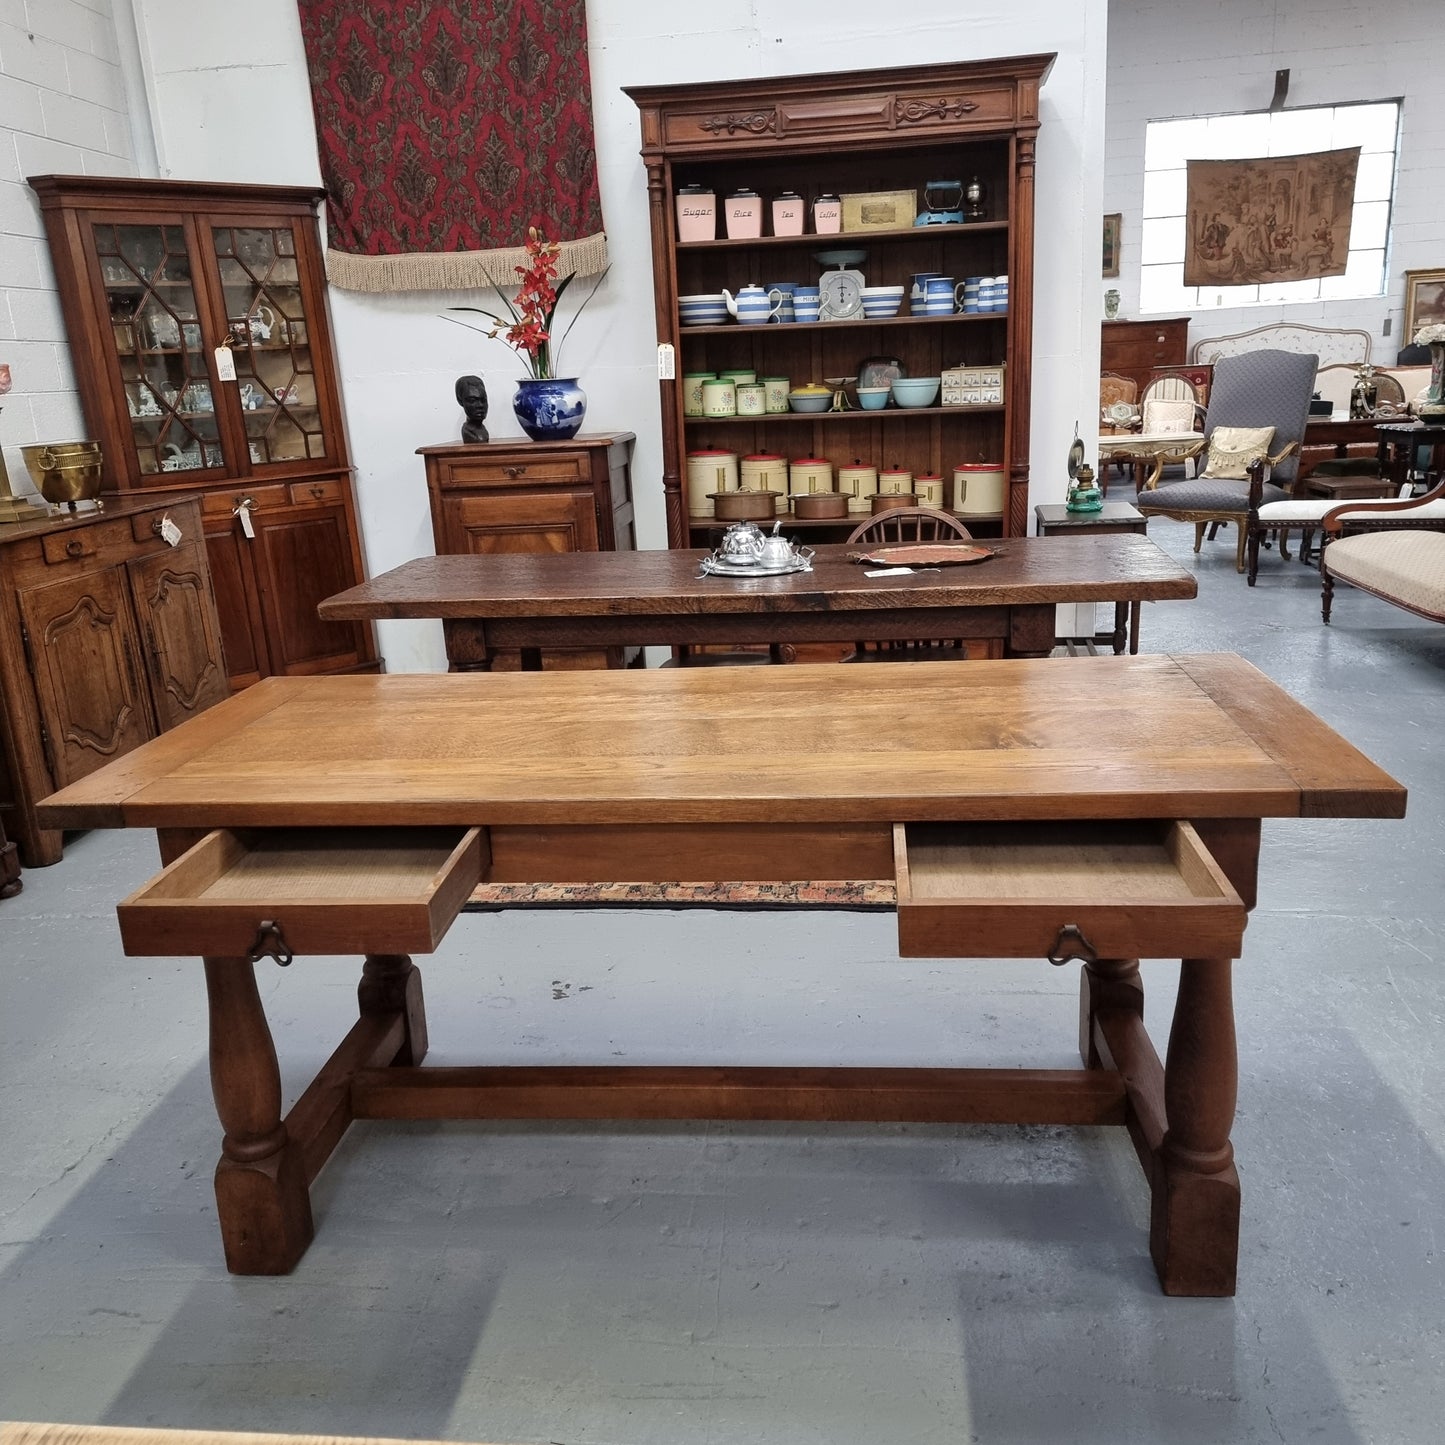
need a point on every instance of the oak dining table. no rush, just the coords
(355, 814)
(532, 602)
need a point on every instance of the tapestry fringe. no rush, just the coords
(457, 270)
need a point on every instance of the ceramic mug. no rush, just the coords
(806, 301)
(917, 284)
(938, 296)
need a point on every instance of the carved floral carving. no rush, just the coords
(913, 110)
(759, 122)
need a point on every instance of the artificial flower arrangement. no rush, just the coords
(528, 325)
(1434, 332)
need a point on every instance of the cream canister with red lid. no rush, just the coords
(928, 487)
(895, 481)
(810, 474)
(766, 472)
(709, 470)
(860, 482)
(978, 488)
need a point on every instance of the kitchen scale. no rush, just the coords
(840, 292)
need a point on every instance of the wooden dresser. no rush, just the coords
(521, 496)
(1134, 348)
(108, 636)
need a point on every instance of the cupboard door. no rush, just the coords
(177, 617)
(238, 602)
(522, 522)
(301, 556)
(83, 649)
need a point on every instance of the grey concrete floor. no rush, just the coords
(722, 1283)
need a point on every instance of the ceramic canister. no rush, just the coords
(928, 486)
(894, 481)
(788, 214)
(692, 391)
(739, 377)
(860, 482)
(810, 474)
(828, 215)
(776, 389)
(709, 471)
(719, 398)
(767, 472)
(752, 399)
(978, 488)
(744, 212)
(696, 214)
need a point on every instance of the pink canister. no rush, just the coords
(696, 214)
(744, 214)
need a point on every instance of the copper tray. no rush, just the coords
(923, 554)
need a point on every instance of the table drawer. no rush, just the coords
(328, 890)
(1145, 889)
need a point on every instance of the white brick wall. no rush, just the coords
(1169, 60)
(62, 109)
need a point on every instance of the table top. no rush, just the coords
(1146, 441)
(1056, 514)
(525, 584)
(1127, 737)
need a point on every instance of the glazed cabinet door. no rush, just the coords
(552, 521)
(176, 614)
(83, 647)
(303, 555)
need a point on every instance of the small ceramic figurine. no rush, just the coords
(472, 398)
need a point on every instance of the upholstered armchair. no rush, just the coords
(1265, 392)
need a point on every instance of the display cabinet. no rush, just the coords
(202, 352)
(108, 636)
(850, 135)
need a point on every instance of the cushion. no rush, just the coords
(1405, 567)
(1233, 448)
(1163, 417)
(1311, 509)
(1205, 494)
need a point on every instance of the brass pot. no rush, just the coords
(819, 505)
(889, 501)
(65, 471)
(744, 506)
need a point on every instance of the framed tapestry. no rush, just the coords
(1113, 223)
(1280, 218)
(1424, 302)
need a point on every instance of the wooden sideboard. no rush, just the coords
(521, 496)
(108, 636)
(1135, 348)
(10, 883)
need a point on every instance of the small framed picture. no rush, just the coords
(1113, 223)
(1424, 302)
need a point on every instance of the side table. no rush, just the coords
(1053, 519)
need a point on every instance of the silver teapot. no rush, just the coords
(742, 542)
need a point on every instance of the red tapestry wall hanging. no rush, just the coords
(446, 129)
(1282, 219)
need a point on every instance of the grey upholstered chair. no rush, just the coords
(1257, 389)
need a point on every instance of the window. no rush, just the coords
(1169, 144)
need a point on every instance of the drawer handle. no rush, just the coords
(514, 472)
(1161, 338)
(1071, 945)
(75, 548)
(318, 491)
(270, 943)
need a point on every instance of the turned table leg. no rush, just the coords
(391, 983)
(1194, 1225)
(261, 1192)
(1107, 983)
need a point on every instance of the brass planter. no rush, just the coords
(65, 472)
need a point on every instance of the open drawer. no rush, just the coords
(329, 890)
(1010, 890)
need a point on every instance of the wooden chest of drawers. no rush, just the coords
(1134, 348)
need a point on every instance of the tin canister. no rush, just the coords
(860, 482)
(708, 471)
(692, 391)
(719, 398)
(978, 488)
(928, 487)
(766, 472)
(810, 474)
(752, 399)
(894, 481)
(739, 377)
(777, 389)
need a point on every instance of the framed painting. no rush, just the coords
(1424, 302)
(1113, 223)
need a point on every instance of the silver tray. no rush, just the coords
(716, 567)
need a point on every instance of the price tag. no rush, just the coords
(666, 362)
(243, 510)
(225, 364)
(170, 533)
